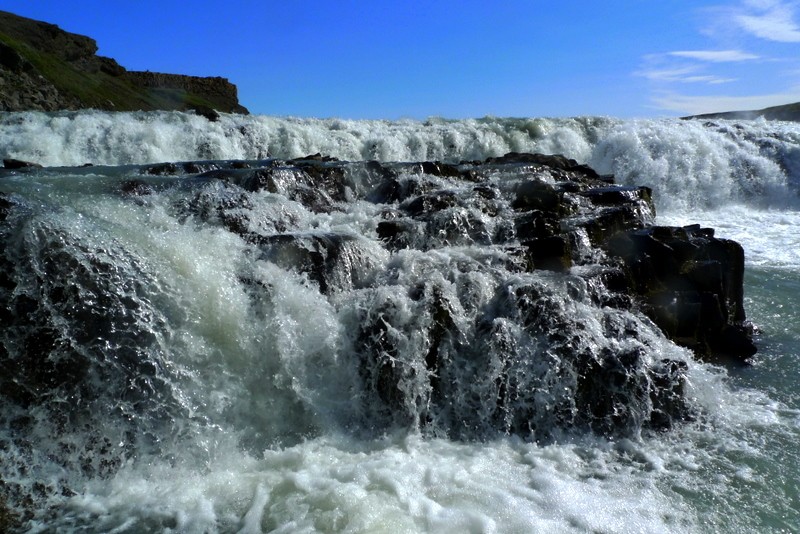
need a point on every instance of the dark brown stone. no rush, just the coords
(536, 195)
(550, 253)
(691, 285)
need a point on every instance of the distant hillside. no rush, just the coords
(787, 112)
(45, 68)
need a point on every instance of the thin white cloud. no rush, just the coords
(673, 73)
(666, 75)
(714, 80)
(775, 23)
(681, 75)
(715, 56)
(697, 105)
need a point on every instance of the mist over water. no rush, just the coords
(233, 396)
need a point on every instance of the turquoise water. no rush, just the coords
(757, 473)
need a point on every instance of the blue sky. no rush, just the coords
(397, 59)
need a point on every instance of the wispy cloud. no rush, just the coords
(682, 75)
(743, 56)
(715, 56)
(771, 20)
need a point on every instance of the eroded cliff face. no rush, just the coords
(212, 88)
(44, 68)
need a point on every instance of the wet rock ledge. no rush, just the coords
(512, 215)
(555, 214)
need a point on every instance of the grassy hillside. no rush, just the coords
(68, 62)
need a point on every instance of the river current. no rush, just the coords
(247, 411)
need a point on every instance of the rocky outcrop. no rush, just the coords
(9, 163)
(45, 68)
(513, 296)
(218, 91)
(22, 87)
(556, 215)
(786, 112)
(548, 214)
(690, 284)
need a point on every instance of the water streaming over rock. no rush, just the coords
(241, 343)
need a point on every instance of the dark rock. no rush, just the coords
(318, 186)
(550, 253)
(555, 161)
(180, 168)
(136, 188)
(536, 224)
(437, 168)
(333, 261)
(397, 233)
(606, 387)
(429, 203)
(325, 177)
(669, 395)
(393, 189)
(314, 157)
(5, 206)
(617, 194)
(691, 285)
(205, 111)
(80, 346)
(536, 195)
(164, 169)
(607, 222)
(223, 203)
(9, 163)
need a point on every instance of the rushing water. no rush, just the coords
(233, 397)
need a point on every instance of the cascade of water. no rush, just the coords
(158, 315)
(688, 163)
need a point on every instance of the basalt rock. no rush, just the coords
(464, 290)
(548, 213)
(10, 163)
(480, 299)
(81, 341)
(333, 261)
(690, 283)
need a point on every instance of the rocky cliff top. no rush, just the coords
(45, 68)
(787, 112)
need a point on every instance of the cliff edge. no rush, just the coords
(786, 112)
(45, 68)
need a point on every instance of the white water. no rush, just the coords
(689, 163)
(272, 445)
